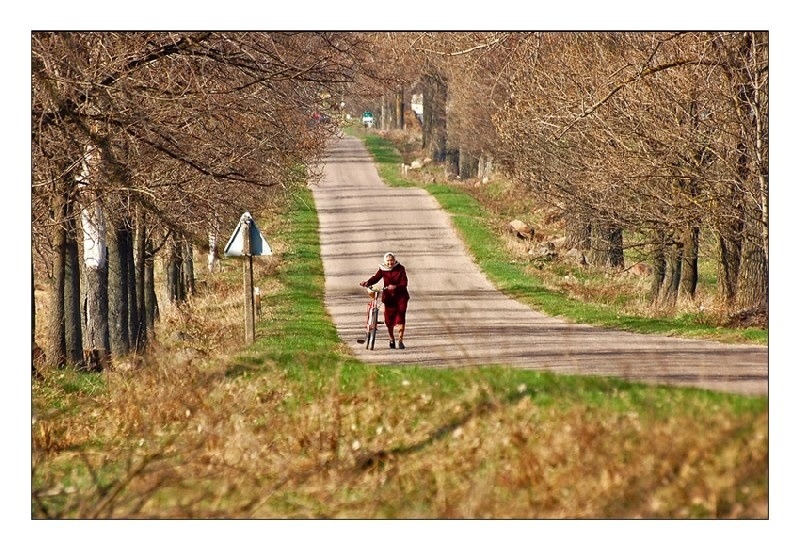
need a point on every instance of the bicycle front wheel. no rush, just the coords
(373, 329)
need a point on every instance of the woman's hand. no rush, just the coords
(391, 286)
(363, 284)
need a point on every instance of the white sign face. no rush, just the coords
(258, 245)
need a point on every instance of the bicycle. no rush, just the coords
(373, 307)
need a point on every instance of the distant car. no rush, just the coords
(318, 118)
(367, 119)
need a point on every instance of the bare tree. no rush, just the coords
(188, 130)
(645, 132)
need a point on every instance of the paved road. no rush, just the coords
(456, 318)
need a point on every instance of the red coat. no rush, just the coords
(397, 277)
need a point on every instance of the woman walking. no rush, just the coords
(395, 297)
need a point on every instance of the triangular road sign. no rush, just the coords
(258, 245)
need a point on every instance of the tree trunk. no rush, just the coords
(427, 113)
(172, 270)
(33, 303)
(400, 109)
(139, 326)
(72, 295)
(150, 298)
(759, 56)
(659, 268)
(753, 285)
(451, 163)
(384, 117)
(578, 232)
(730, 258)
(36, 351)
(467, 164)
(176, 279)
(485, 166)
(674, 269)
(187, 267)
(57, 350)
(606, 247)
(133, 310)
(666, 273)
(96, 347)
(95, 259)
(434, 116)
(212, 250)
(616, 252)
(689, 268)
(118, 293)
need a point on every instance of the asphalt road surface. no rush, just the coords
(456, 318)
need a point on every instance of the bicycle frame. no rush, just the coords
(373, 308)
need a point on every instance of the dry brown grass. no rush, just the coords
(170, 441)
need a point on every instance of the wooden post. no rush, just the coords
(249, 304)
(248, 242)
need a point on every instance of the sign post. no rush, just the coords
(247, 242)
(249, 302)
